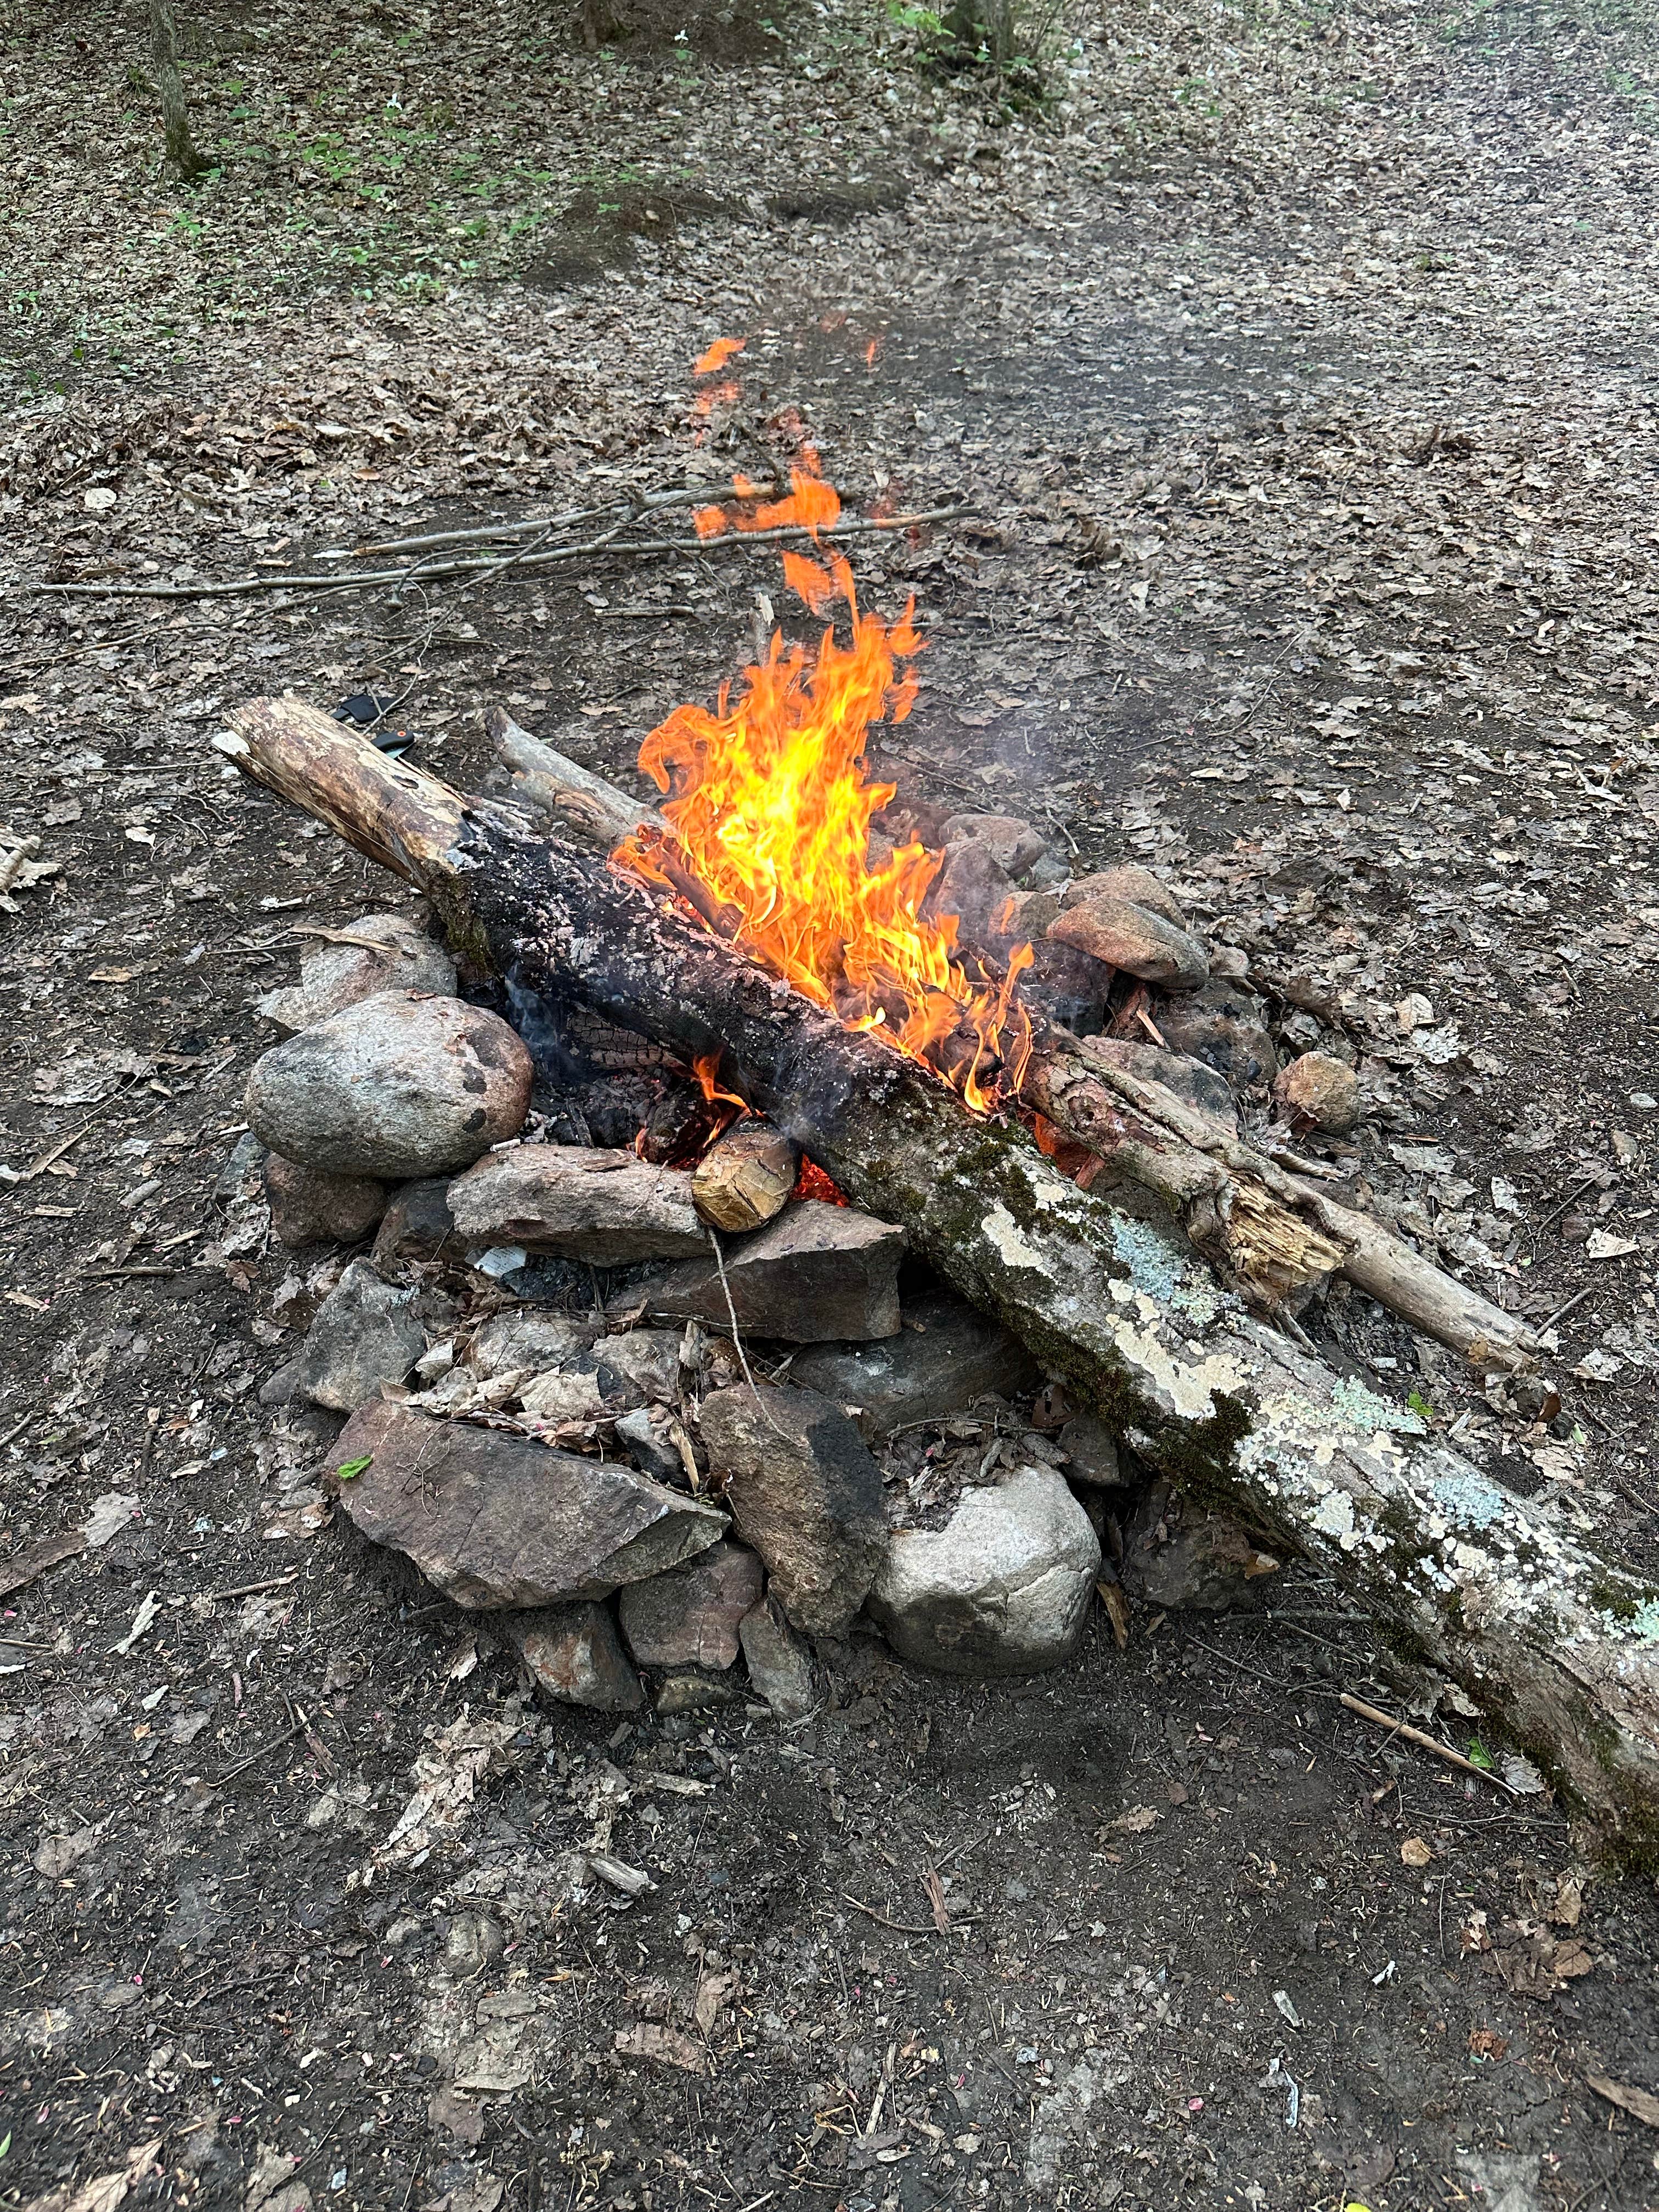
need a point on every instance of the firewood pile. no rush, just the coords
(678, 1322)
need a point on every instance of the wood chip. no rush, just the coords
(1641, 2104)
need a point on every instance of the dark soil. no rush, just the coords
(1297, 364)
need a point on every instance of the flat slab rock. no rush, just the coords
(943, 1356)
(1002, 1588)
(496, 1520)
(394, 1086)
(805, 1492)
(579, 1203)
(818, 1271)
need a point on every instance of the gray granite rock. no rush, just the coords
(334, 976)
(1127, 881)
(805, 1492)
(943, 1356)
(395, 1086)
(366, 1333)
(496, 1519)
(1002, 1589)
(1135, 939)
(1012, 843)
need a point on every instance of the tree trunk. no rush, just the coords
(181, 149)
(1560, 1646)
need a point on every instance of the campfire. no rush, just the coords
(768, 835)
(676, 1380)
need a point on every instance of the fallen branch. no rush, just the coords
(607, 545)
(532, 526)
(1559, 1643)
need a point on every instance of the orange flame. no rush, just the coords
(771, 810)
(718, 355)
(706, 1068)
(812, 504)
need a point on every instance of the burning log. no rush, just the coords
(1560, 1645)
(1270, 1232)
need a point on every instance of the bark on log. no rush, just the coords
(1559, 1645)
(1270, 1233)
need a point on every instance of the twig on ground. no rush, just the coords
(1423, 1741)
(1568, 1306)
(252, 1589)
(907, 1927)
(254, 1756)
(343, 937)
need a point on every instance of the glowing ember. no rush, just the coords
(771, 810)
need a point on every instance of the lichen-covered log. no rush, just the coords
(1560, 1646)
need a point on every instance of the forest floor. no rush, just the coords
(1299, 362)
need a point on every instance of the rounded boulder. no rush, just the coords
(1002, 1588)
(395, 1086)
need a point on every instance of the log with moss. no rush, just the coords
(1559, 1644)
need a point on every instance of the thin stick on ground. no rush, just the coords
(731, 1311)
(436, 572)
(1423, 1741)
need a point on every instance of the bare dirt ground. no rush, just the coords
(1299, 360)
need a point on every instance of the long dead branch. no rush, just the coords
(1559, 1643)
(607, 544)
